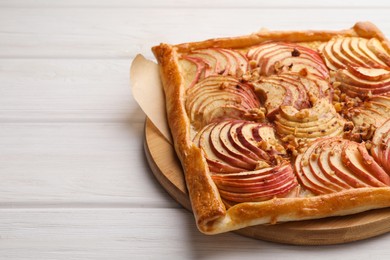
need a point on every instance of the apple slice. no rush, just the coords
(377, 48)
(310, 179)
(216, 61)
(370, 74)
(363, 47)
(345, 76)
(372, 166)
(337, 165)
(237, 142)
(310, 123)
(214, 163)
(225, 151)
(352, 158)
(218, 97)
(359, 48)
(332, 62)
(256, 185)
(362, 116)
(237, 145)
(353, 54)
(273, 95)
(347, 52)
(326, 150)
(271, 58)
(379, 145)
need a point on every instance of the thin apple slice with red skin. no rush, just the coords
(284, 58)
(345, 76)
(266, 134)
(225, 84)
(224, 153)
(305, 175)
(303, 65)
(336, 51)
(263, 187)
(361, 115)
(377, 48)
(233, 146)
(350, 54)
(284, 54)
(200, 68)
(363, 47)
(219, 97)
(372, 166)
(257, 185)
(386, 151)
(360, 88)
(317, 171)
(323, 163)
(257, 52)
(368, 58)
(216, 61)
(331, 61)
(273, 95)
(281, 90)
(245, 136)
(370, 74)
(337, 165)
(301, 100)
(251, 179)
(281, 190)
(235, 141)
(238, 59)
(379, 141)
(214, 163)
(363, 91)
(352, 159)
(209, 60)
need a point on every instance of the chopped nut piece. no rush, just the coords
(314, 156)
(303, 113)
(223, 85)
(261, 165)
(295, 53)
(253, 64)
(348, 126)
(336, 84)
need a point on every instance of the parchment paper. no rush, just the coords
(148, 92)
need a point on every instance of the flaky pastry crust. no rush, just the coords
(211, 214)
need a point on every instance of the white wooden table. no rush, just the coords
(74, 182)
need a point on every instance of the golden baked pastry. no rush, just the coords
(280, 126)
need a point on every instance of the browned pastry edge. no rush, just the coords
(209, 211)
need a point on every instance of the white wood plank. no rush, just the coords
(77, 90)
(147, 234)
(123, 32)
(75, 165)
(198, 4)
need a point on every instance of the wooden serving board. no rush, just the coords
(334, 230)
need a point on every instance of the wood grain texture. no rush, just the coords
(325, 231)
(123, 32)
(198, 4)
(145, 233)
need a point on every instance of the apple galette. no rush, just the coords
(280, 126)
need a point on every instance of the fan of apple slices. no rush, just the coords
(334, 164)
(361, 65)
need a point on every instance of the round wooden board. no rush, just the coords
(335, 230)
